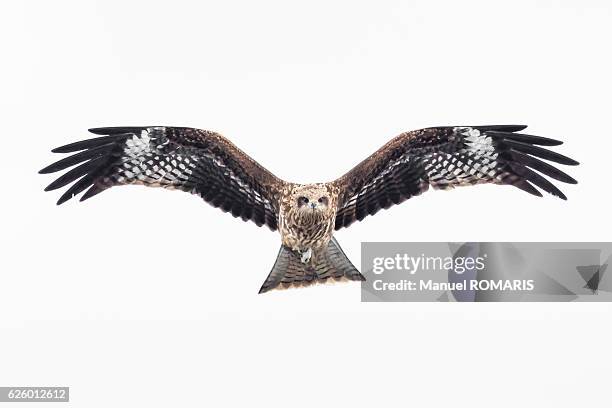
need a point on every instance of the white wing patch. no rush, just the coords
(473, 164)
(146, 159)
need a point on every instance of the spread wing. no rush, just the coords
(446, 157)
(196, 161)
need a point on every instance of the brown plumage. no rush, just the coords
(205, 163)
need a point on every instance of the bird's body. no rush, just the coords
(306, 215)
(309, 225)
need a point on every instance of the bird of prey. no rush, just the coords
(306, 215)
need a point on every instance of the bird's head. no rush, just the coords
(311, 201)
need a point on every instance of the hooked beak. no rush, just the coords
(313, 205)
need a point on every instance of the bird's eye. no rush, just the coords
(302, 200)
(323, 200)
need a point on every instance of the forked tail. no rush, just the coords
(290, 271)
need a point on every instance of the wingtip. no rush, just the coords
(52, 168)
(116, 130)
(62, 200)
(60, 149)
(97, 131)
(501, 128)
(92, 191)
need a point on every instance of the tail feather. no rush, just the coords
(290, 271)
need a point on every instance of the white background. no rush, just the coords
(144, 297)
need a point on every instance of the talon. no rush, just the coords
(306, 255)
